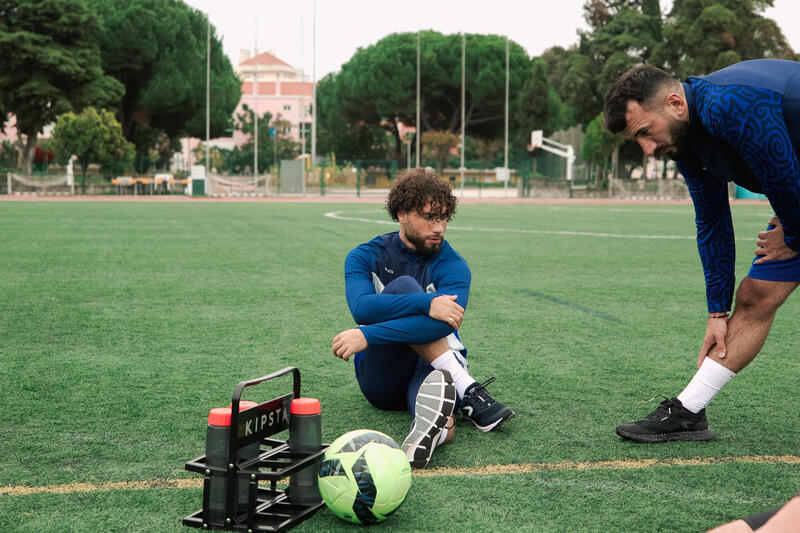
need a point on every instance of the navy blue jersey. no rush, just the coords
(402, 318)
(745, 128)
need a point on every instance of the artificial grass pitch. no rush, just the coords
(122, 324)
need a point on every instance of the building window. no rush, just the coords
(287, 130)
(287, 107)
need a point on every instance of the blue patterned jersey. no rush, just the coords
(402, 318)
(745, 128)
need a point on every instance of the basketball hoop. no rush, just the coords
(536, 140)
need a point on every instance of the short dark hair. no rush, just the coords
(414, 187)
(640, 83)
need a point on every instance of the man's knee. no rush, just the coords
(759, 298)
(403, 285)
(384, 373)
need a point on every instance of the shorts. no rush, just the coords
(778, 270)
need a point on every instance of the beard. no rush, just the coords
(681, 146)
(420, 244)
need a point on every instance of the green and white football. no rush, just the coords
(364, 476)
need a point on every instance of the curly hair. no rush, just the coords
(413, 188)
(641, 83)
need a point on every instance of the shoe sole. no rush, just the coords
(495, 424)
(703, 434)
(435, 403)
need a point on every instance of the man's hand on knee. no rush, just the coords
(446, 309)
(349, 342)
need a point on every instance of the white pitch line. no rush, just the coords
(336, 215)
(674, 212)
(486, 470)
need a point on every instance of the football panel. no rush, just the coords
(339, 494)
(365, 497)
(391, 475)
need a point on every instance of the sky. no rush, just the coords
(343, 26)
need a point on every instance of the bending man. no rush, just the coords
(739, 124)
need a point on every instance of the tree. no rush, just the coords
(697, 37)
(486, 150)
(272, 141)
(702, 36)
(440, 145)
(538, 104)
(49, 64)
(579, 87)
(628, 37)
(95, 137)
(623, 32)
(379, 83)
(599, 143)
(556, 57)
(157, 49)
(8, 155)
(335, 135)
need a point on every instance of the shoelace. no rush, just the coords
(482, 394)
(664, 409)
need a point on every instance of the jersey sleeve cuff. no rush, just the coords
(367, 334)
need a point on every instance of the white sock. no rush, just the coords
(461, 378)
(706, 383)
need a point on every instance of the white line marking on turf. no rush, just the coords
(676, 212)
(615, 464)
(337, 215)
(487, 470)
(182, 483)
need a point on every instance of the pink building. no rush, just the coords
(268, 85)
(10, 133)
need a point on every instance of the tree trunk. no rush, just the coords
(468, 114)
(455, 120)
(85, 167)
(27, 154)
(425, 122)
(398, 143)
(20, 149)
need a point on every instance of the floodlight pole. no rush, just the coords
(208, 88)
(314, 87)
(255, 110)
(463, 102)
(419, 126)
(506, 173)
(300, 102)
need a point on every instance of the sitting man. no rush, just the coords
(408, 290)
